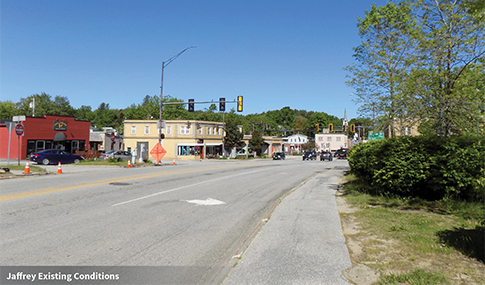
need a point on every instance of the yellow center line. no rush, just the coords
(106, 181)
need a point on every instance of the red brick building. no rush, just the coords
(50, 131)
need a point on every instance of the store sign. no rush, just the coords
(60, 125)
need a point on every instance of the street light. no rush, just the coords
(164, 64)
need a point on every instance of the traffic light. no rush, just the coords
(188, 125)
(317, 127)
(344, 128)
(191, 105)
(352, 128)
(239, 103)
(222, 104)
(198, 125)
(330, 128)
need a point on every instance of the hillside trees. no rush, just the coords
(282, 122)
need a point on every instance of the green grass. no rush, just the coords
(416, 277)
(422, 231)
(32, 168)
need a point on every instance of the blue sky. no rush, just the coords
(273, 53)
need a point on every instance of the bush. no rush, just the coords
(426, 167)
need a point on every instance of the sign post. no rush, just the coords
(19, 132)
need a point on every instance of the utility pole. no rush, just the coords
(165, 64)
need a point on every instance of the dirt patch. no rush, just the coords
(373, 255)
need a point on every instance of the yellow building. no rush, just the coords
(184, 140)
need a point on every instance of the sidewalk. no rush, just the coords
(302, 242)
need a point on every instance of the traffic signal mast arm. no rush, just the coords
(199, 102)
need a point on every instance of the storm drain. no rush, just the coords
(120, 183)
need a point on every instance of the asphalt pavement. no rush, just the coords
(302, 242)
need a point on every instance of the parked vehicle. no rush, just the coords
(309, 155)
(117, 154)
(326, 155)
(55, 156)
(244, 153)
(279, 155)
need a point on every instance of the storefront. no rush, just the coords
(48, 132)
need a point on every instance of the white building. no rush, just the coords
(294, 142)
(331, 141)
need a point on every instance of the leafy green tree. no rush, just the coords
(256, 142)
(106, 117)
(44, 105)
(8, 110)
(309, 146)
(84, 113)
(383, 60)
(233, 137)
(447, 85)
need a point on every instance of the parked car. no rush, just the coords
(49, 156)
(326, 155)
(243, 153)
(116, 154)
(309, 155)
(279, 155)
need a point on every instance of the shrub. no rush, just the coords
(426, 167)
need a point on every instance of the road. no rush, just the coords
(184, 222)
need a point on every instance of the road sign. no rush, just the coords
(19, 130)
(158, 152)
(112, 137)
(376, 136)
(18, 118)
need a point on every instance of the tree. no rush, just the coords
(309, 146)
(7, 110)
(383, 60)
(447, 83)
(84, 113)
(256, 142)
(233, 137)
(106, 117)
(44, 105)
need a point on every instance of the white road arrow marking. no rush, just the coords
(208, 202)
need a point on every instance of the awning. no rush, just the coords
(59, 137)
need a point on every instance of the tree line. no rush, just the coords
(422, 62)
(282, 122)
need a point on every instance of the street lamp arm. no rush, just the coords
(166, 63)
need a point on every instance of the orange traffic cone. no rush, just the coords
(27, 168)
(59, 169)
(129, 164)
(173, 163)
